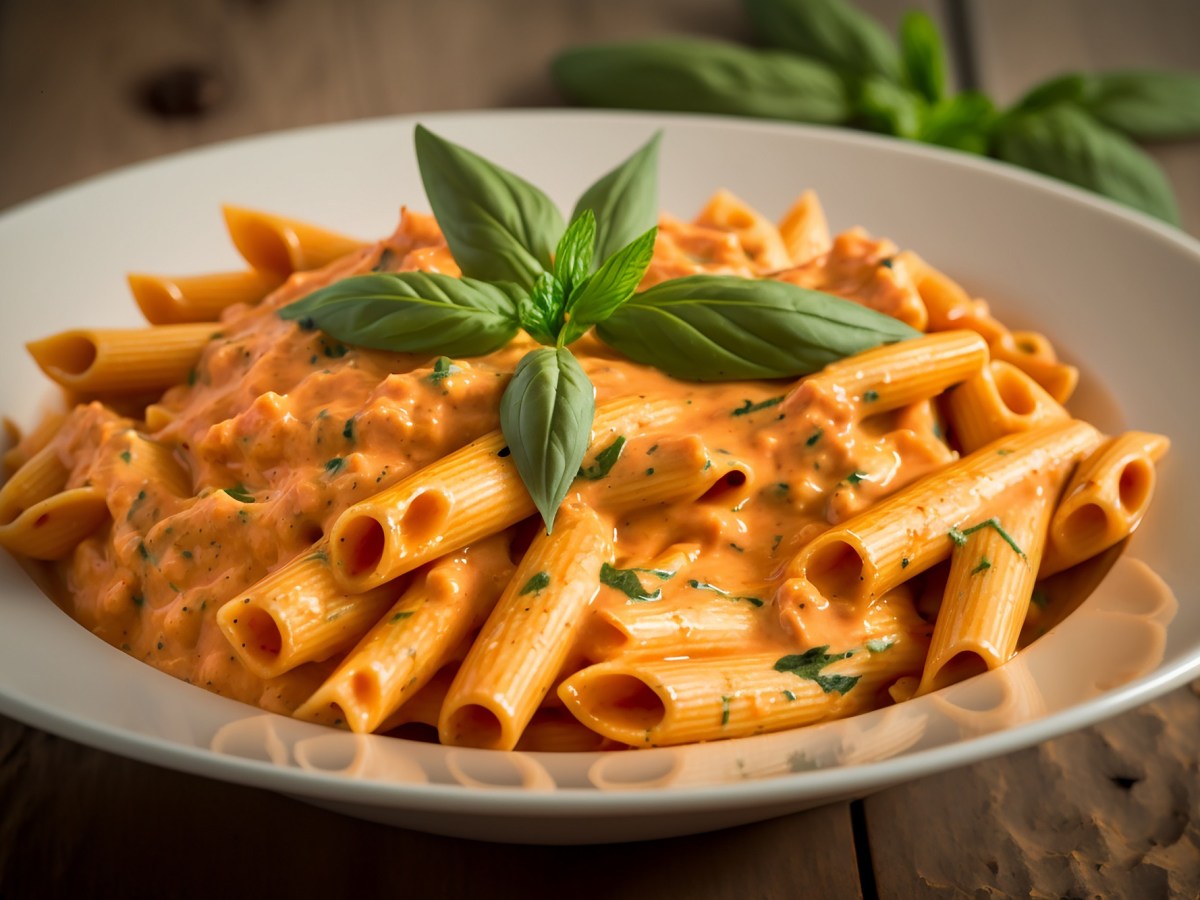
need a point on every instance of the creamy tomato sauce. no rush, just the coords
(281, 428)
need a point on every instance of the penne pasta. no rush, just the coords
(173, 300)
(280, 246)
(1000, 400)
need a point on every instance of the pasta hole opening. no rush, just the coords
(1135, 484)
(362, 543)
(1086, 524)
(261, 631)
(1015, 393)
(605, 640)
(473, 725)
(728, 484)
(963, 665)
(425, 516)
(70, 354)
(311, 532)
(157, 298)
(625, 701)
(835, 569)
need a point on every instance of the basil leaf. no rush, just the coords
(546, 415)
(625, 201)
(831, 31)
(721, 327)
(541, 309)
(923, 56)
(695, 75)
(963, 122)
(573, 257)
(891, 108)
(498, 226)
(611, 285)
(1149, 106)
(414, 312)
(1067, 143)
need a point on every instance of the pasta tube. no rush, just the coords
(168, 300)
(1105, 499)
(280, 245)
(520, 650)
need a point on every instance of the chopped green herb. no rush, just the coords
(650, 452)
(239, 493)
(856, 477)
(721, 592)
(605, 460)
(1003, 451)
(983, 565)
(138, 600)
(886, 262)
(878, 645)
(724, 711)
(318, 556)
(814, 437)
(870, 396)
(960, 537)
(127, 456)
(747, 407)
(775, 542)
(650, 471)
(400, 616)
(809, 665)
(790, 696)
(737, 548)
(443, 368)
(535, 584)
(348, 430)
(335, 465)
(1039, 598)
(186, 554)
(904, 562)
(137, 501)
(143, 552)
(627, 582)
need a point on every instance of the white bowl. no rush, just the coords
(1113, 289)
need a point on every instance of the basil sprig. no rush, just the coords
(701, 327)
(829, 63)
(413, 312)
(725, 328)
(546, 415)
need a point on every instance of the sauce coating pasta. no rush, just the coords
(681, 597)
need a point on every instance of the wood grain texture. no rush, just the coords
(77, 822)
(1112, 811)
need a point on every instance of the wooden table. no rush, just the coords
(1110, 811)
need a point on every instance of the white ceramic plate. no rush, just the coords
(1114, 290)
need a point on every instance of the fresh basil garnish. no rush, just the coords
(724, 328)
(575, 251)
(415, 312)
(609, 287)
(498, 226)
(623, 202)
(809, 665)
(546, 415)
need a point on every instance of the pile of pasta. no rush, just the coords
(339, 534)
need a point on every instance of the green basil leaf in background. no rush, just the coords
(1149, 106)
(611, 285)
(832, 31)
(720, 327)
(891, 108)
(576, 248)
(963, 122)
(1065, 142)
(414, 312)
(923, 55)
(624, 202)
(541, 310)
(498, 226)
(695, 75)
(546, 415)
(1063, 89)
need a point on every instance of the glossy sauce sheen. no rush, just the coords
(307, 426)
